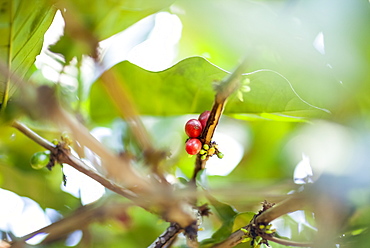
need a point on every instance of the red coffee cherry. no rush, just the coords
(193, 146)
(203, 118)
(193, 128)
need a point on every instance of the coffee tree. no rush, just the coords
(184, 123)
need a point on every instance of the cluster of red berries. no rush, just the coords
(193, 129)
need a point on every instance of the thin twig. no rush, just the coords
(233, 240)
(172, 210)
(81, 218)
(226, 87)
(287, 242)
(34, 136)
(223, 91)
(170, 205)
(41, 103)
(171, 242)
(167, 236)
(78, 164)
(293, 203)
(237, 237)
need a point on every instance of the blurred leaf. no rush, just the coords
(71, 47)
(226, 214)
(256, 165)
(361, 218)
(359, 238)
(22, 28)
(297, 229)
(281, 35)
(267, 116)
(106, 18)
(187, 88)
(184, 88)
(272, 96)
(88, 22)
(36, 187)
(277, 35)
(144, 228)
(242, 219)
(223, 210)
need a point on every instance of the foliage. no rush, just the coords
(305, 92)
(22, 30)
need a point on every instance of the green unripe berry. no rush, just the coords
(201, 152)
(220, 155)
(203, 157)
(40, 159)
(205, 147)
(261, 226)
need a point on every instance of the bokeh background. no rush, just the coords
(305, 119)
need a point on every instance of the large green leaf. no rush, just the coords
(282, 35)
(22, 27)
(187, 88)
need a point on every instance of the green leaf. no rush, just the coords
(44, 188)
(223, 210)
(226, 214)
(268, 116)
(106, 18)
(242, 219)
(184, 88)
(88, 22)
(272, 93)
(22, 28)
(187, 88)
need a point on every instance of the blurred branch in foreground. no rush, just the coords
(151, 194)
(79, 220)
